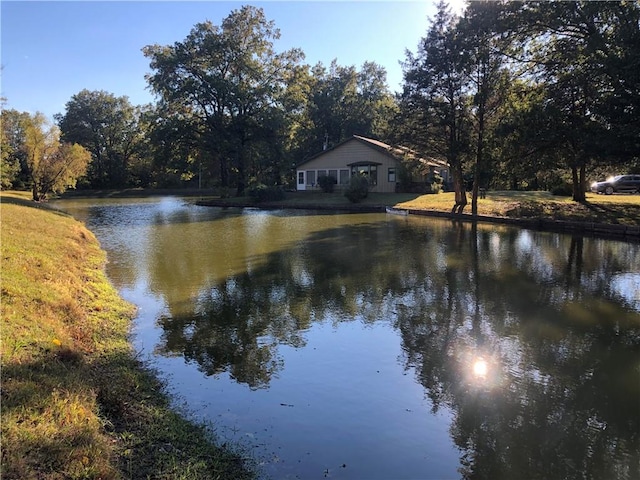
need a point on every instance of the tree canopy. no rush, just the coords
(508, 79)
(107, 126)
(53, 166)
(229, 82)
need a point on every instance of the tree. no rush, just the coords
(107, 126)
(435, 83)
(53, 167)
(345, 101)
(487, 80)
(524, 140)
(9, 164)
(231, 81)
(174, 140)
(11, 154)
(326, 105)
(140, 166)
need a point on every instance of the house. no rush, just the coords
(378, 161)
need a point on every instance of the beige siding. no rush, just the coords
(351, 152)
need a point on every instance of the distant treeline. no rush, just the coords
(518, 95)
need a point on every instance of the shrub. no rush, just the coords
(434, 183)
(327, 183)
(358, 189)
(259, 192)
(564, 189)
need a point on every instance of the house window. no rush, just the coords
(391, 176)
(311, 177)
(334, 174)
(369, 171)
(322, 173)
(344, 177)
(300, 178)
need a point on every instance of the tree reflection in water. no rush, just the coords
(560, 397)
(521, 334)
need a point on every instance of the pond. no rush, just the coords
(375, 346)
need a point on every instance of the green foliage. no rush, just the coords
(108, 127)
(53, 166)
(586, 58)
(327, 183)
(344, 101)
(512, 90)
(404, 172)
(9, 166)
(436, 93)
(434, 183)
(262, 193)
(232, 109)
(13, 166)
(227, 83)
(358, 189)
(9, 163)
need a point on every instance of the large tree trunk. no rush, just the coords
(37, 194)
(578, 177)
(458, 187)
(478, 165)
(583, 182)
(474, 193)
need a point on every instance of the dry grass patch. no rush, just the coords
(613, 209)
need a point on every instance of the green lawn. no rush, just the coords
(612, 209)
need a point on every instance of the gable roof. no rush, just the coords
(396, 152)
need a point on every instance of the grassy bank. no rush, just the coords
(609, 209)
(76, 403)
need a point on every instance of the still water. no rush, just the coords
(374, 346)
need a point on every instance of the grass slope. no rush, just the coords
(76, 403)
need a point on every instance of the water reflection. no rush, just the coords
(237, 323)
(564, 351)
(531, 340)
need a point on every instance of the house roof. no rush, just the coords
(396, 152)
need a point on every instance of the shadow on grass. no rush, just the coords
(50, 427)
(24, 202)
(514, 195)
(627, 214)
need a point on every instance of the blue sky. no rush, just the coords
(53, 50)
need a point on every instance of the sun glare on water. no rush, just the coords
(480, 368)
